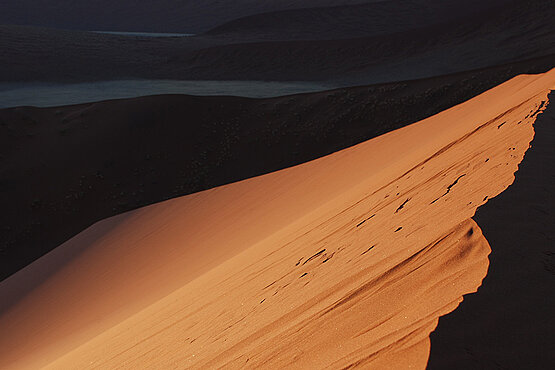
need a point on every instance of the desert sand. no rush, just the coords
(56, 181)
(509, 324)
(346, 260)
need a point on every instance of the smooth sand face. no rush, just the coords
(346, 260)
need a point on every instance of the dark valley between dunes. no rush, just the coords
(277, 184)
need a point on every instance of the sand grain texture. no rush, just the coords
(346, 260)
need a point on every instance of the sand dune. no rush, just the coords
(385, 42)
(342, 21)
(346, 260)
(139, 143)
(510, 323)
(188, 16)
(363, 45)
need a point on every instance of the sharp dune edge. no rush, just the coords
(343, 261)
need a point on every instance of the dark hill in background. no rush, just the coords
(62, 169)
(185, 16)
(360, 20)
(354, 47)
(379, 42)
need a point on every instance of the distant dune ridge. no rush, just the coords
(188, 16)
(345, 260)
(351, 44)
(338, 251)
(366, 18)
(56, 181)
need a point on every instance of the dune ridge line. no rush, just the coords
(342, 261)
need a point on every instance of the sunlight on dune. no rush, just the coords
(346, 260)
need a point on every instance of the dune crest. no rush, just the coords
(343, 261)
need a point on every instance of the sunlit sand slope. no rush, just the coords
(346, 260)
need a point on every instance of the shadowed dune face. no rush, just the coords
(362, 19)
(346, 260)
(56, 181)
(510, 323)
(189, 16)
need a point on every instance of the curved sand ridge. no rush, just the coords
(346, 260)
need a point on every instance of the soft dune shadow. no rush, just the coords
(510, 322)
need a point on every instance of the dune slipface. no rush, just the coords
(346, 260)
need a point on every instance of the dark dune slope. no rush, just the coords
(360, 20)
(390, 50)
(62, 169)
(370, 47)
(188, 16)
(86, 56)
(510, 323)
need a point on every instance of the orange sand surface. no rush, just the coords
(346, 260)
